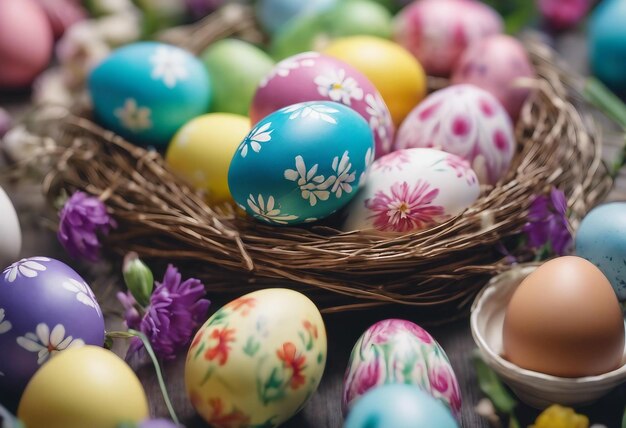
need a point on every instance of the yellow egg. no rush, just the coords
(396, 73)
(257, 360)
(202, 149)
(83, 387)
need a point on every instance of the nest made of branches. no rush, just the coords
(160, 217)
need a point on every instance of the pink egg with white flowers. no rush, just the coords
(437, 32)
(311, 76)
(466, 121)
(497, 64)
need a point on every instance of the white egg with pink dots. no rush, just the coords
(466, 121)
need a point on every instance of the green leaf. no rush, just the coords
(252, 347)
(492, 387)
(138, 278)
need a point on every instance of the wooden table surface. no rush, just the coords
(323, 410)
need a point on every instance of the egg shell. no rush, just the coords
(496, 64)
(601, 239)
(311, 76)
(607, 44)
(399, 351)
(257, 360)
(399, 406)
(301, 163)
(235, 69)
(413, 189)
(145, 91)
(43, 303)
(438, 31)
(25, 42)
(202, 149)
(83, 387)
(564, 320)
(10, 230)
(466, 121)
(274, 14)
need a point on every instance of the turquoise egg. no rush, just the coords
(301, 163)
(607, 44)
(399, 406)
(145, 91)
(601, 239)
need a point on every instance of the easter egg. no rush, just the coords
(399, 351)
(10, 230)
(495, 64)
(311, 76)
(85, 387)
(235, 69)
(413, 189)
(391, 68)
(437, 32)
(601, 239)
(399, 406)
(274, 14)
(466, 121)
(25, 42)
(45, 308)
(257, 360)
(202, 149)
(607, 44)
(145, 91)
(301, 163)
(316, 31)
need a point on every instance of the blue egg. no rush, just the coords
(399, 406)
(607, 44)
(147, 90)
(601, 239)
(274, 14)
(301, 163)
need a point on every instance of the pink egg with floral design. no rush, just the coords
(438, 31)
(466, 121)
(399, 351)
(311, 76)
(496, 64)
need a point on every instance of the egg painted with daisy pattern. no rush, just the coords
(311, 76)
(146, 91)
(301, 163)
(45, 308)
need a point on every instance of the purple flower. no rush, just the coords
(561, 14)
(175, 310)
(83, 217)
(547, 223)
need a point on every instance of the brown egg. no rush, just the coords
(564, 319)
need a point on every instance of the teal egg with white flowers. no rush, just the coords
(146, 91)
(301, 163)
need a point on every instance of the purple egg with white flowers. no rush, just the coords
(45, 308)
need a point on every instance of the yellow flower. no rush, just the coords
(556, 416)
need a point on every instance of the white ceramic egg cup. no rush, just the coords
(533, 388)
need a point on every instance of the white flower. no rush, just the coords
(338, 87)
(369, 159)
(169, 65)
(258, 135)
(5, 325)
(83, 293)
(344, 176)
(268, 212)
(313, 187)
(283, 68)
(316, 111)
(47, 343)
(133, 117)
(25, 267)
(380, 119)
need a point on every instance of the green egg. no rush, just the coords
(236, 68)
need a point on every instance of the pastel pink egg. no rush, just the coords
(438, 31)
(25, 42)
(311, 76)
(466, 121)
(495, 64)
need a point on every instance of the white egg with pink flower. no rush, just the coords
(413, 189)
(466, 121)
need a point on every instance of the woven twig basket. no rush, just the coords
(160, 217)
